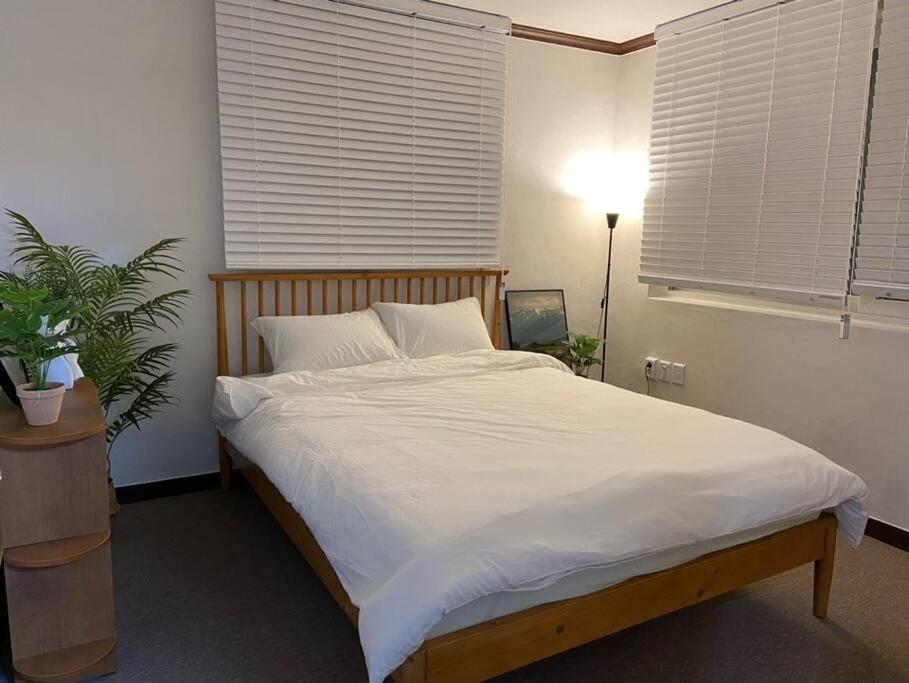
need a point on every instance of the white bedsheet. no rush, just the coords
(432, 483)
(593, 579)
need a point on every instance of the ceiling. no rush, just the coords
(616, 20)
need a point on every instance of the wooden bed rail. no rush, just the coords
(505, 643)
(317, 293)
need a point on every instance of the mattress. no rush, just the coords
(450, 489)
(594, 579)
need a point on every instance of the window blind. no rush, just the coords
(360, 135)
(882, 258)
(756, 147)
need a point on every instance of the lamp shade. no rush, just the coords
(606, 181)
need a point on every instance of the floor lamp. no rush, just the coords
(612, 220)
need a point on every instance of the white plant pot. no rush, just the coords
(41, 407)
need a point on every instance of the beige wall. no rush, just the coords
(847, 399)
(561, 104)
(109, 138)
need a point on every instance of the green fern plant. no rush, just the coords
(117, 316)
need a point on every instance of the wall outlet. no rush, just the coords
(678, 373)
(650, 363)
(664, 370)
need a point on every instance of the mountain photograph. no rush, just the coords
(536, 321)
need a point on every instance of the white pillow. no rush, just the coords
(422, 330)
(323, 342)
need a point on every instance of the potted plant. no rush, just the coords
(581, 353)
(124, 314)
(36, 329)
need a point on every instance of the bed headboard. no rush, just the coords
(241, 297)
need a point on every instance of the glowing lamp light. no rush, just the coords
(608, 182)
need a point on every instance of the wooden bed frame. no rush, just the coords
(494, 647)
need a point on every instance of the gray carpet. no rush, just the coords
(208, 588)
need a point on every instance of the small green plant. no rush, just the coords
(581, 353)
(32, 328)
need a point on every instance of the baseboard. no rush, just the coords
(135, 493)
(887, 533)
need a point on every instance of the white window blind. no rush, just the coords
(360, 135)
(882, 259)
(756, 147)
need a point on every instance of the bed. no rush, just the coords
(475, 512)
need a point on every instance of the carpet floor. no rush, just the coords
(208, 588)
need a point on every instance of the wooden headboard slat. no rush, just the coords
(260, 310)
(416, 290)
(244, 330)
(222, 330)
(483, 294)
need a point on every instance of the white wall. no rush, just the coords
(109, 138)
(847, 399)
(561, 104)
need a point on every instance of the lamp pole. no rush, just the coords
(612, 220)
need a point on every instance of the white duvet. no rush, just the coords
(431, 483)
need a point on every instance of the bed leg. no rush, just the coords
(413, 670)
(823, 571)
(226, 463)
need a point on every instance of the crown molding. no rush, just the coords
(635, 44)
(608, 47)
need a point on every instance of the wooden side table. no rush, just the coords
(55, 542)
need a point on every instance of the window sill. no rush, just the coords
(864, 311)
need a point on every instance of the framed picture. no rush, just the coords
(536, 321)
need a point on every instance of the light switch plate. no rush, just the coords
(663, 370)
(678, 373)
